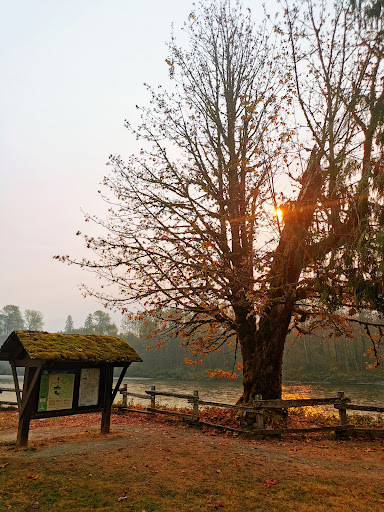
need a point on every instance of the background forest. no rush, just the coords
(319, 357)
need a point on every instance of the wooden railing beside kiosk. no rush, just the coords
(340, 402)
(7, 401)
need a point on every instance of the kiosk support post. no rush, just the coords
(106, 414)
(26, 409)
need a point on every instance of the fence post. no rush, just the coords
(124, 401)
(196, 405)
(342, 434)
(153, 399)
(342, 412)
(259, 413)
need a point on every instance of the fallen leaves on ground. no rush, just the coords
(271, 482)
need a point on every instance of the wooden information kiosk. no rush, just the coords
(65, 374)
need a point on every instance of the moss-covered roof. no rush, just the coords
(46, 346)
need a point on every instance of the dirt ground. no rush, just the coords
(147, 465)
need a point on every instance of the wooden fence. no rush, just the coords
(7, 402)
(339, 402)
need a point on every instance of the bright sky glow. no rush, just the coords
(71, 72)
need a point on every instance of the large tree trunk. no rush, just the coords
(262, 342)
(263, 355)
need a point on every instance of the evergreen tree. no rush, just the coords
(88, 325)
(69, 325)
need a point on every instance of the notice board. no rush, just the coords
(89, 387)
(56, 390)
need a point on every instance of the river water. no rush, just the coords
(229, 392)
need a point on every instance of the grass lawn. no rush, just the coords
(156, 465)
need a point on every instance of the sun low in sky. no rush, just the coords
(279, 214)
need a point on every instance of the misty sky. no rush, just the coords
(71, 72)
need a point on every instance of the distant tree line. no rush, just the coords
(320, 357)
(164, 355)
(312, 358)
(98, 322)
(308, 358)
(11, 319)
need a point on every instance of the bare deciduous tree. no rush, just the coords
(192, 224)
(34, 320)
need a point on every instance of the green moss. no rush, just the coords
(76, 347)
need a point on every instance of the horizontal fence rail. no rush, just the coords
(340, 402)
(355, 407)
(7, 402)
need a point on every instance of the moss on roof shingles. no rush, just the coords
(76, 347)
